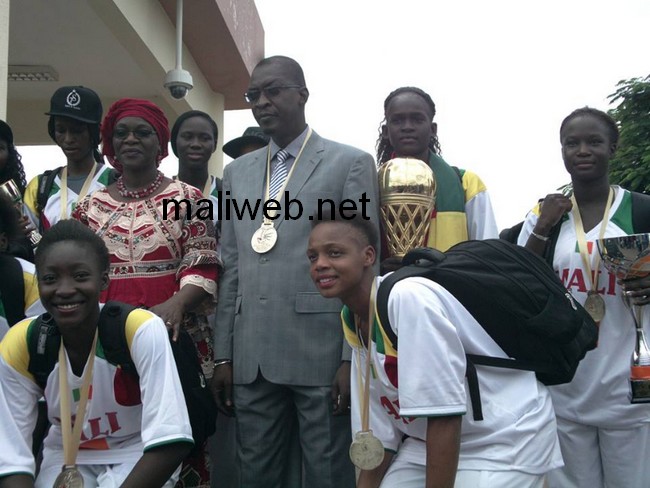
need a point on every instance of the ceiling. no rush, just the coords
(94, 43)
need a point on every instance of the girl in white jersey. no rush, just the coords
(417, 401)
(134, 432)
(75, 114)
(605, 439)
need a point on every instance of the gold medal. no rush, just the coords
(366, 451)
(595, 305)
(70, 477)
(264, 238)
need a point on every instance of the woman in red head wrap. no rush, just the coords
(166, 261)
(117, 121)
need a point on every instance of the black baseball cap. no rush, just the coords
(252, 135)
(77, 102)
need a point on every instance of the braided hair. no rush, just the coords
(13, 169)
(383, 146)
(612, 128)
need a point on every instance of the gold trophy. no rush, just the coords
(629, 257)
(407, 190)
(10, 189)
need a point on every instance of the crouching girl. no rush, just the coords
(135, 430)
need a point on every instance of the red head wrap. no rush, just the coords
(134, 107)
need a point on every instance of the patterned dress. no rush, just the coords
(152, 257)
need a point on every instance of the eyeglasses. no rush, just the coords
(252, 96)
(139, 134)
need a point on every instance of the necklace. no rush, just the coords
(141, 193)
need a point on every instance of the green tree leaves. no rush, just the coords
(630, 166)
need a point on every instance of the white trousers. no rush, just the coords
(95, 475)
(405, 474)
(602, 458)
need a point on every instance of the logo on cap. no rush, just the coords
(73, 99)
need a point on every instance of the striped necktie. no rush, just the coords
(279, 173)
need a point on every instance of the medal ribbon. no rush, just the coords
(582, 239)
(364, 396)
(273, 212)
(72, 436)
(64, 189)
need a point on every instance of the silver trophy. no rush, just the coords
(629, 257)
(10, 189)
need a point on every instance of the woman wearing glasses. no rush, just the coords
(158, 261)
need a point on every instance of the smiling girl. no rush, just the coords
(126, 438)
(605, 439)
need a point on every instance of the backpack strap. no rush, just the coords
(509, 363)
(45, 183)
(425, 257)
(43, 341)
(474, 391)
(112, 335)
(511, 234)
(640, 212)
(382, 311)
(12, 289)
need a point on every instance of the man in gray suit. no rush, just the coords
(277, 341)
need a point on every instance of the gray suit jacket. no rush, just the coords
(270, 315)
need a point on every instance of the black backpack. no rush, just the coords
(44, 340)
(516, 297)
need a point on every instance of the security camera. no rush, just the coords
(178, 82)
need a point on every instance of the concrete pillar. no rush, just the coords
(4, 56)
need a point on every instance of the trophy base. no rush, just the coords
(640, 391)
